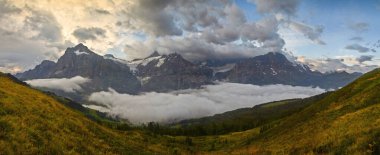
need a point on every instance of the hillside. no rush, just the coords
(34, 122)
(344, 122)
(240, 119)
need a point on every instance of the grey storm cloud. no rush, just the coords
(92, 33)
(212, 26)
(22, 52)
(359, 27)
(313, 33)
(30, 42)
(262, 30)
(172, 18)
(6, 8)
(152, 17)
(229, 32)
(220, 36)
(364, 58)
(194, 103)
(357, 47)
(45, 24)
(288, 7)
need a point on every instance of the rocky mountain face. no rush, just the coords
(104, 73)
(41, 70)
(162, 73)
(172, 72)
(275, 68)
(80, 61)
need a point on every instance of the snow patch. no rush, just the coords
(147, 60)
(145, 80)
(133, 64)
(273, 71)
(160, 62)
(78, 52)
(223, 69)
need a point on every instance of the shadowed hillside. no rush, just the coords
(344, 122)
(33, 122)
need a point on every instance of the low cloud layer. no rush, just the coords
(194, 103)
(70, 85)
(349, 64)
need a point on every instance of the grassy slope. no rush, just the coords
(246, 118)
(33, 122)
(344, 122)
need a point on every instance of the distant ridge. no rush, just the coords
(163, 73)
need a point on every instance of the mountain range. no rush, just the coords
(163, 73)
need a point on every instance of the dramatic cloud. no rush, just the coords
(18, 53)
(32, 32)
(92, 33)
(205, 28)
(6, 8)
(185, 104)
(153, 18)
(44, 24)
(357, 47)
(198, 30)
(313, 33)
(364, 58)
(228, 33)
(262, 30)
(284, 12)
(70, 85)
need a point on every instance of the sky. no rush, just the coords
(327, 35)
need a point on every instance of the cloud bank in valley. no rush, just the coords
(194, 103)
(69, 85)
